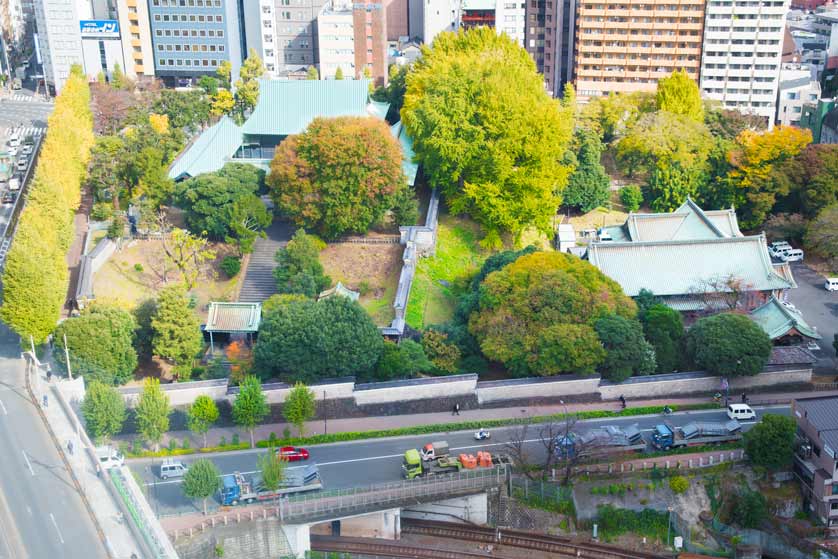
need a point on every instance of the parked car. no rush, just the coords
(172, 468)
(831, 284)
(9, 197)
(292, 454)
(793, 255)
(778, 249)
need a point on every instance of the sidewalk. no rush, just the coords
(118, 537)
(396, 421)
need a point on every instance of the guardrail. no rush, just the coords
(20, 202)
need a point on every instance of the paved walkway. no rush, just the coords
(118, 536)
(396, 421)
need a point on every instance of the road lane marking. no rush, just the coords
(54, 523)
(3, 407)
(153, 483)
(28, 464)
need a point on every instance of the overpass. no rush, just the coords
(374, 511)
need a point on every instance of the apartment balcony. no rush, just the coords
(136, 43)
(686, 26)
(620, 13)
(131, 3)
(139, 69)
(134, 29)
(590, 12)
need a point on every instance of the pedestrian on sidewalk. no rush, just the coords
(70, 447)
(744, 398)
(623, 401)
(46, 400)
(456, 409)
(49, 374)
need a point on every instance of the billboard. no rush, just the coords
(99, 29)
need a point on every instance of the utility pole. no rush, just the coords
(325, 414)
(67, 358)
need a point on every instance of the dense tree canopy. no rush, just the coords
(393, 92)
(812, 178)
(307, 340)
(770, 443)
(822, 235)
(104, 411)
(664, 329)
(678, 93)
(100, 343)
(486, 132)
(521, 307)
(225, 205)
(298, 268)
(177, 332)
(728, 345)
(627, 352)
(588, 186)
(402, 360)
(339, 176)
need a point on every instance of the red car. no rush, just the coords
(292, 454)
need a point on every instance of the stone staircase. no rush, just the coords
(259, 282)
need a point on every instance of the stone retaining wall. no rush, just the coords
(529, 388)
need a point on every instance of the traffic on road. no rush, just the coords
(367, 462)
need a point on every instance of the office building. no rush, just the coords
(191, 39)
(476, 13)
(12, 22)
(353, 37)
(798, 87)
(816, 457)
(283, 33)
(137, 49)
(628, 45)
(549, 37)
(429, 18)
(101, 47)
(398, 16)
(743, 45)
(59, 37)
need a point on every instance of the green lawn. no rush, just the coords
(440, 280)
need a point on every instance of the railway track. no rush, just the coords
(561, 545)
(387, 548)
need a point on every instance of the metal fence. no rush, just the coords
(306, 507)
(136, 512)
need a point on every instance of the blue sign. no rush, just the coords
(99, 28)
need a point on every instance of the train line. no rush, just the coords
(561, 545)
(387, 548)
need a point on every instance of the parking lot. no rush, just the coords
(819, 308)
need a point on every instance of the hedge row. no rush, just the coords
(429, 429)
(35, 279)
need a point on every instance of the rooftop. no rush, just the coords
(233, 317)
(822, 413)
(777, 320)
(209, 150)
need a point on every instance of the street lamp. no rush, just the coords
(325, 426)
(668, 525)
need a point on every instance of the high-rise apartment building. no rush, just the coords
(549, 38)
(12, 22)
(135, 29)
(353, 37)
(283, 33)
(743, 45)
(191, 39)
(628, 45)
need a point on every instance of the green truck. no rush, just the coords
(413, 465)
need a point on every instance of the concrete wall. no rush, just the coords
(415, 389)
(383, 524)
(686, 383)
(277, 392)
(473, 509)
(494, 391)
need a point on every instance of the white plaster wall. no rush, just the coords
(418, 391)
(557, 388)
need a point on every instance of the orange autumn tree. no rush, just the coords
(752, 178)
(240, 357)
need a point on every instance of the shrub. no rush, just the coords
(679, 484)
(138, 267)
(235, 439)
(117, 227)
(631, 196)
(185, 444)
(101, 211)
(231, 265)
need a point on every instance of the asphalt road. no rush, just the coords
(819, 308)
(41, 514)
(367, 462)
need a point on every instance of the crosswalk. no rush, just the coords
(27, 98)
(22, 130)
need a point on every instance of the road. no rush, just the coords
(366, 462)
(41, 514)
(819, 308)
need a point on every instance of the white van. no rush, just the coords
(14, 140)
(740, 412)
(14, 183)
(172, 468)
(793, 255)
(109, 457)
(831, 284)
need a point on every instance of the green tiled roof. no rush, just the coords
(209, 151)
(689, 222)
(233, 317)
(288, 106)
(409, 167)
(681, 267)
(378, 108)
(777, 320)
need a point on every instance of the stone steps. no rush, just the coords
(259, 283)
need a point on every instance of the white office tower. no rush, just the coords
(59, 38)
(740, 63)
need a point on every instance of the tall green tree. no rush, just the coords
(339, 176)
(152, 412)
(100, 343)
(307, 341)
(524, 309)
(588, 186)
(627, 353)
(728, 345)
(393, 92)
(402, 360)
(177, 332)
(664, 329)
(311, 73)
(299, 407)
(104, 411)
(273, 467)
(770, 443)
(679, 94)
(201, 480)
(298, 266)
(486, 132)
(247, 86)
(202, 414)
(250, 406)
(822, 235)
(812, 179)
